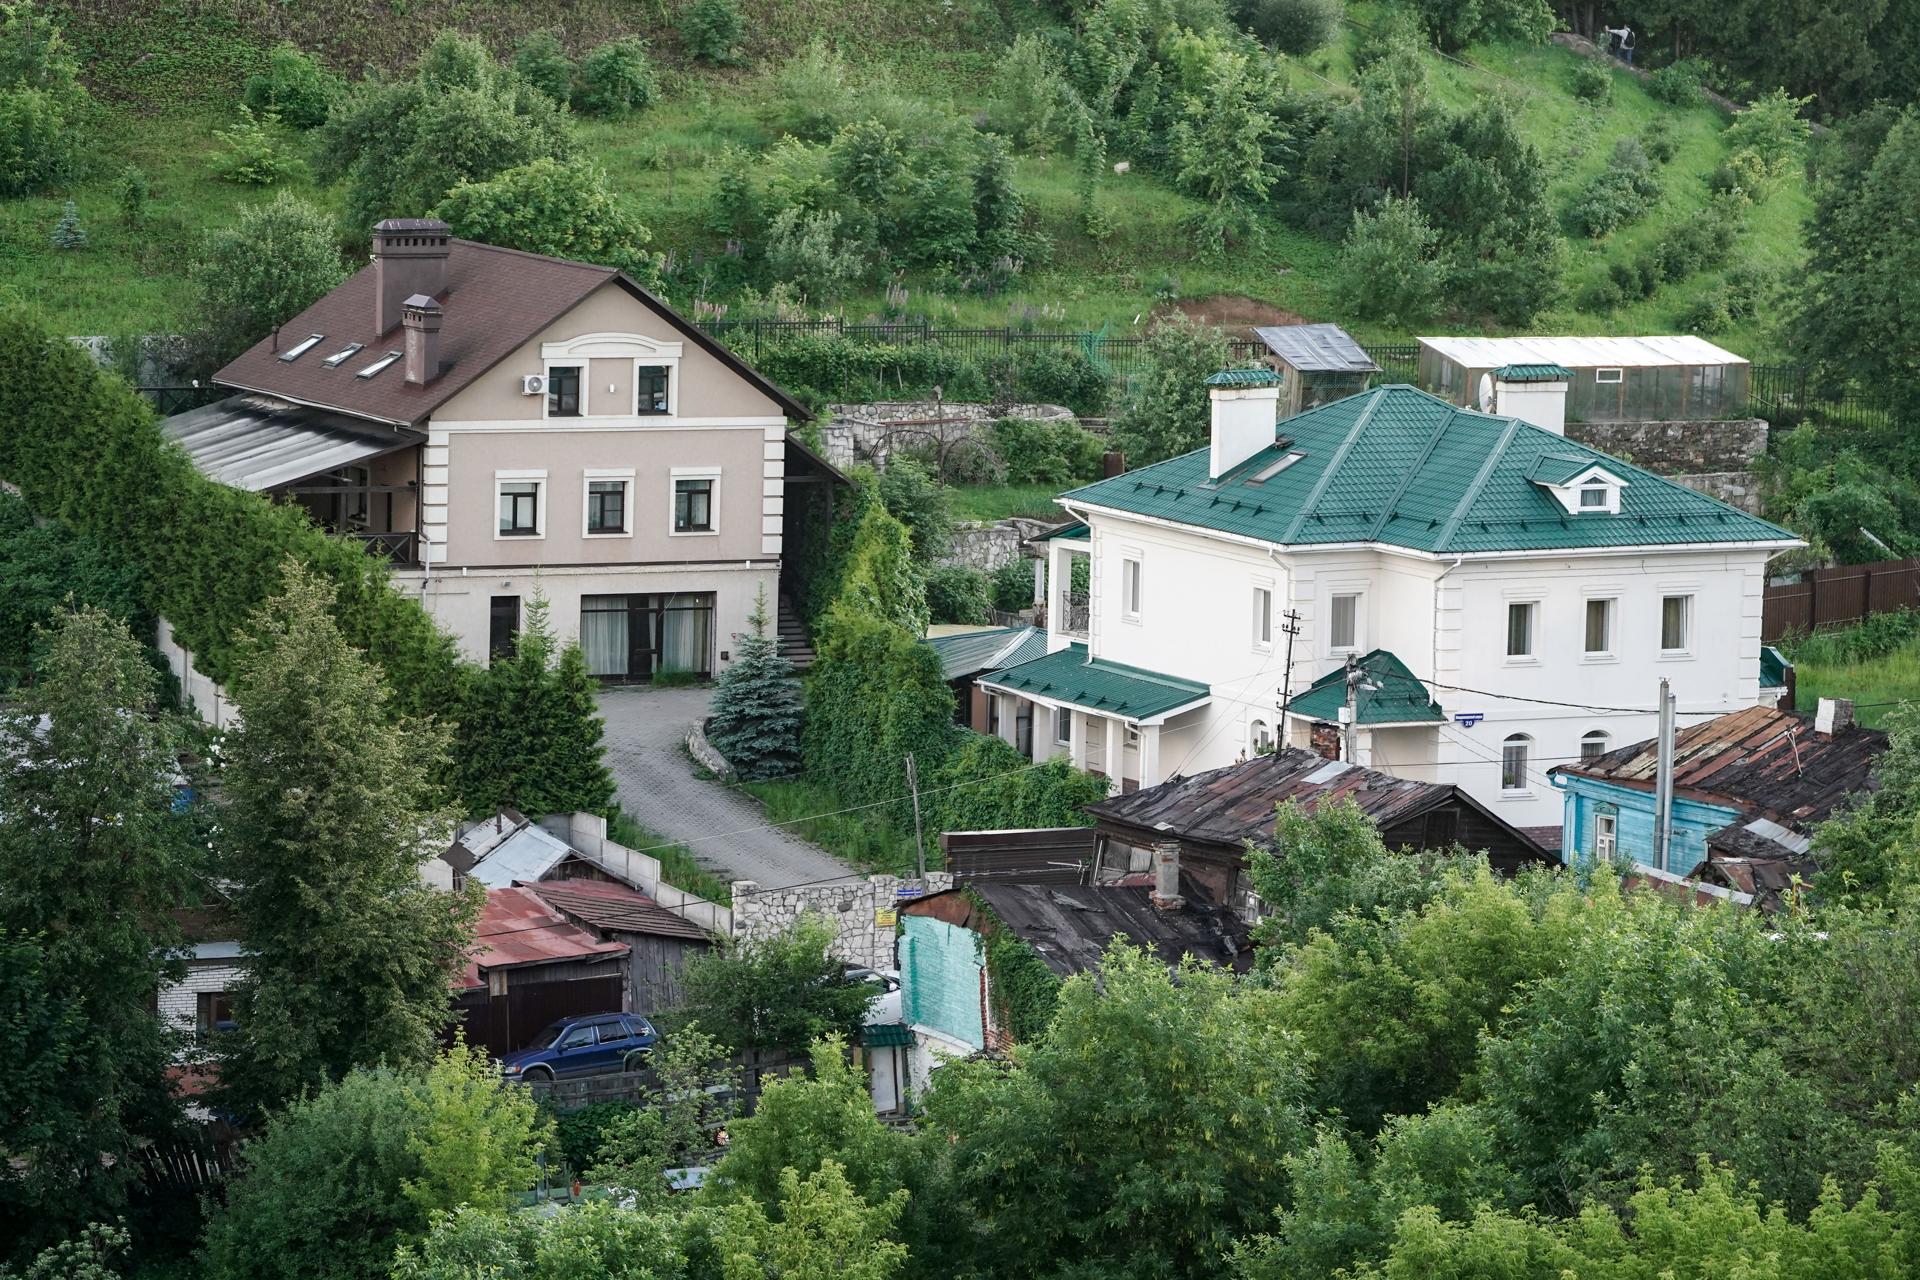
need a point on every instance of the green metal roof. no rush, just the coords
(1261, 377)
(1398, 467)
(1111, 688)
(1076, 529)
(1773, 668)
(1533, 373)
(879, 1035)
(971, 652)
(1558, 468)
(1396, 695)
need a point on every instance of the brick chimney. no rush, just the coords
(1166, 876)
(409, 257)
(420, 316)
(1833, 715)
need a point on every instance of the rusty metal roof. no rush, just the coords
(616, 908)
(1762, 761)
(1232, 805)
(1070, 925)
(517, 929)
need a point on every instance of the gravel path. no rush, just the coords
(646, 736)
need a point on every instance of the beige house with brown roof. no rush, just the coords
(498, 424)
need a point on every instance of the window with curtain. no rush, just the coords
(1520, 628)
(650, 389)
(693, 506)
(1675, 622)
(1262, 616)
(1593, 744)
(1599, 626)
(1063, 725)
(605, 634)
(686, 633)
(1343, 631)
(1513, 762)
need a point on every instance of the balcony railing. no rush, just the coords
(401, 549)
(1073, 614)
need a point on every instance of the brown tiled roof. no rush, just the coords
(1762, 760)
(616, 908)
(494, 301)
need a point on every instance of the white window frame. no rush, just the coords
(713, 500)
(592, 474)
(1606, 842)
(1613, 627)
(1600, 376)
(1600, 736)
(586, 389)
(1063, 720)
(1524, 783)
(1132, 586)
(1334, 598)
(1263, 617)
(1258, 729)
(1532, 655)
(635, 348)
(1687, 622)
(541, 497)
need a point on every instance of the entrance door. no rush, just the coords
(885, 1081)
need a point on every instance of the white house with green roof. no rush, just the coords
(1489, 597)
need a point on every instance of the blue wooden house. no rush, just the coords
(1748, 789)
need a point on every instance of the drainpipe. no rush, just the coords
(1433, 668)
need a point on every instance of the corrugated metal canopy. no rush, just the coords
(516, 929)
(1069, 677)
(259, 442)
(1317, 348)
(970, 652)
(525, 855)
(1582, 353)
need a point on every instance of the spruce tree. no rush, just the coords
(93, 858)
(756, 706)
(68, 233)
(332, 804)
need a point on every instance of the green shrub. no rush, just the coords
(295, 87)
(1618, 194)
(806, 248)
(616, 79)
(1592, 81)
(712, 30)
(131, 192)
(561, 208)
(957, 593)
(578, 1135)
(274, 262)
(1639, 278)
(812, 94)
(1658, 140)
(1062, 375)
(543, 60)
(990, 785)
(1703, 242)
(1389, 268)
(1032, 105)
(1291, 26)
(1603, 294)
(39, 141)
(1678, 83)
(42, 568)
(255, 153)
(1011, 586)
(1059, 453)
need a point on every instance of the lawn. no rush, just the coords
(998, 501)
(1877, 683)
(865, 838)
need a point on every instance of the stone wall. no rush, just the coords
(861, 911)
(856, 433)
(1735, 488)
(988, 546)
(1678, 448)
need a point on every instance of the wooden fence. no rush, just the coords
(1838, 596)
(503, 1023)
(1041, 856)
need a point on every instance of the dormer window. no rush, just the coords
(1582, 486)
(1595, 497)
(303, 346)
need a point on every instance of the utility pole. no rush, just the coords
(919, 839)
(1350, 731)
(1663, 782)
(1290, 630)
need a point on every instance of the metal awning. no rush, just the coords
(258, 442)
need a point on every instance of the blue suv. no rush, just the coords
(581, 1046)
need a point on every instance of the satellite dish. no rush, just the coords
(1486, 393)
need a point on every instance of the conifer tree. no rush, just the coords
(331, 806)
(756, 706)
(68, 233)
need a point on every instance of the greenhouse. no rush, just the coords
(1660, 379)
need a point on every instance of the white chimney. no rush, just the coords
(1535, 393)
(1834, 715)
(1166, 875)
(1246, 405)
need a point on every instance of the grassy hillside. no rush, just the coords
(167, 74)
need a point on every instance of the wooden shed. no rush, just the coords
(1318, 364)
(1657, 379)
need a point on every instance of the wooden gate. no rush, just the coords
(504, 1023)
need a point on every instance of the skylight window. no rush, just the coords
(343, 355)
(378, 365)
(301, 348)
(1273, 469)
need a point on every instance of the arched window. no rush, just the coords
(1514, 753)
(1259, 738)
(1593, 744)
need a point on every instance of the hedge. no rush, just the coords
(85, 449)
(42, 569)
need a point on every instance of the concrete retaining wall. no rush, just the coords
(202, 696)
(586, 833)
(861, 912)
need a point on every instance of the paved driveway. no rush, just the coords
(646, 736)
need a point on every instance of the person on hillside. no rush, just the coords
(1621, 40)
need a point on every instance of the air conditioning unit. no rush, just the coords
(533, 384)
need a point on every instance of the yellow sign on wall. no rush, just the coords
(885, 918)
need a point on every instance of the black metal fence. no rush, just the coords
(1787, 395)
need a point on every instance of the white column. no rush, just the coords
(1150, 755)
(1077, 739)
